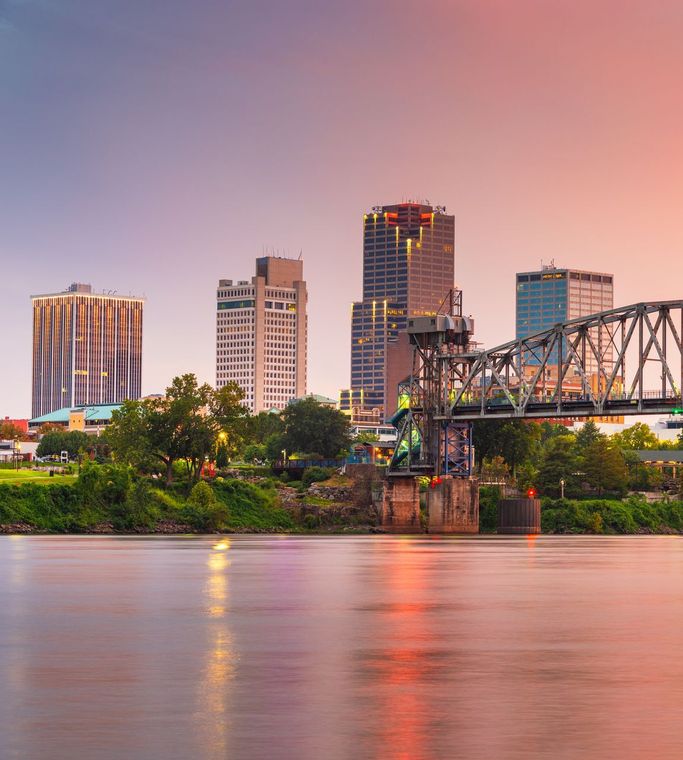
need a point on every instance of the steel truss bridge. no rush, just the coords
(618, 362)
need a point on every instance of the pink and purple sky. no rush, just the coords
(155, 147)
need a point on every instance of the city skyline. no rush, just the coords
(139, 153)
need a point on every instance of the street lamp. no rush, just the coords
(562, 484)
(16, 449)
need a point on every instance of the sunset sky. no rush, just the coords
(155, 146)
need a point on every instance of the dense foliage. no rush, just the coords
(555, 460)
(190, 423)
(56, 441)
(113, 497)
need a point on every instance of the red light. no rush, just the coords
(531, 493)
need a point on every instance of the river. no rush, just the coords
(341, 647)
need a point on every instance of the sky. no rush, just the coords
(155, 146)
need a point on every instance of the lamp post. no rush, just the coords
(16, 449)
(562, 484)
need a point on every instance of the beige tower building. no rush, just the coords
(87, 349)
(262, 334)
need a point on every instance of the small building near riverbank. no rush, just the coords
(87, 419)
(668, 461)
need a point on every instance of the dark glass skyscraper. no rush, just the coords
(408, 270)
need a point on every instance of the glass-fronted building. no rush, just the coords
(554, 295)
(408, 270)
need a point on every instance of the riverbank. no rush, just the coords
(110, 501)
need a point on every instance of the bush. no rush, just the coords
(252, 507)
(204, 511)
(316, 475)
(138, 511)
(489, 497)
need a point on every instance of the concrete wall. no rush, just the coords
(453, 506)
(399, 505)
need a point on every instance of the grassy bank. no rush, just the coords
(108, 499)
(605, 516)
(596, 516)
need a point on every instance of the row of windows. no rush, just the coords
(235, 292)
(552, 276)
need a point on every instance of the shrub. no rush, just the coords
(489, 497)
(204, 511)
(316, 475)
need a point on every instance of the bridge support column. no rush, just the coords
(398, 505)
(453, 505)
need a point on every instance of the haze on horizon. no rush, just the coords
(156, 147)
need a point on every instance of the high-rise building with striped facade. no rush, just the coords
(262, 333)
(87, 349)
(557, 294)
(408, 270)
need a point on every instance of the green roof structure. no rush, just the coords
(97, 413)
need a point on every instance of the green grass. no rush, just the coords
(34, 476)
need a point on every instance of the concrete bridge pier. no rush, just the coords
(453, 505)
(398, 504)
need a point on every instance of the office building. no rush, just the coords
(87, 349)
(261, 334)
(408, 270)
(554, 295)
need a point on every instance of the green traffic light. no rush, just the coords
(677, 411)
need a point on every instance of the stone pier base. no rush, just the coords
(453, 506)
(398, 504)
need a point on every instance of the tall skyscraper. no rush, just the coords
(554, 295)
(87, 349)
(262, 334)
(408, 270)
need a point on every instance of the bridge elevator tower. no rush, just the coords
(429, 442)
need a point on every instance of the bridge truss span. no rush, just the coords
(613, 363)
(622, 361)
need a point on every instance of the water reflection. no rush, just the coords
(377, 647)
(214, 695)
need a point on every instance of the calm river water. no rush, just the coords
(369, 647)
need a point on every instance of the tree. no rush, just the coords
(549, 430)
(189, 424)
(641, 477)
(559, 462)
(48, 427)
(11, 432)
(514, 440)
(231, 416)
(310, 426)
(55, 442)
(261, 426)
(587, 435)
(604, 466)
(638, 437)
(255, 452)
(365, 437)
(495, 470)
